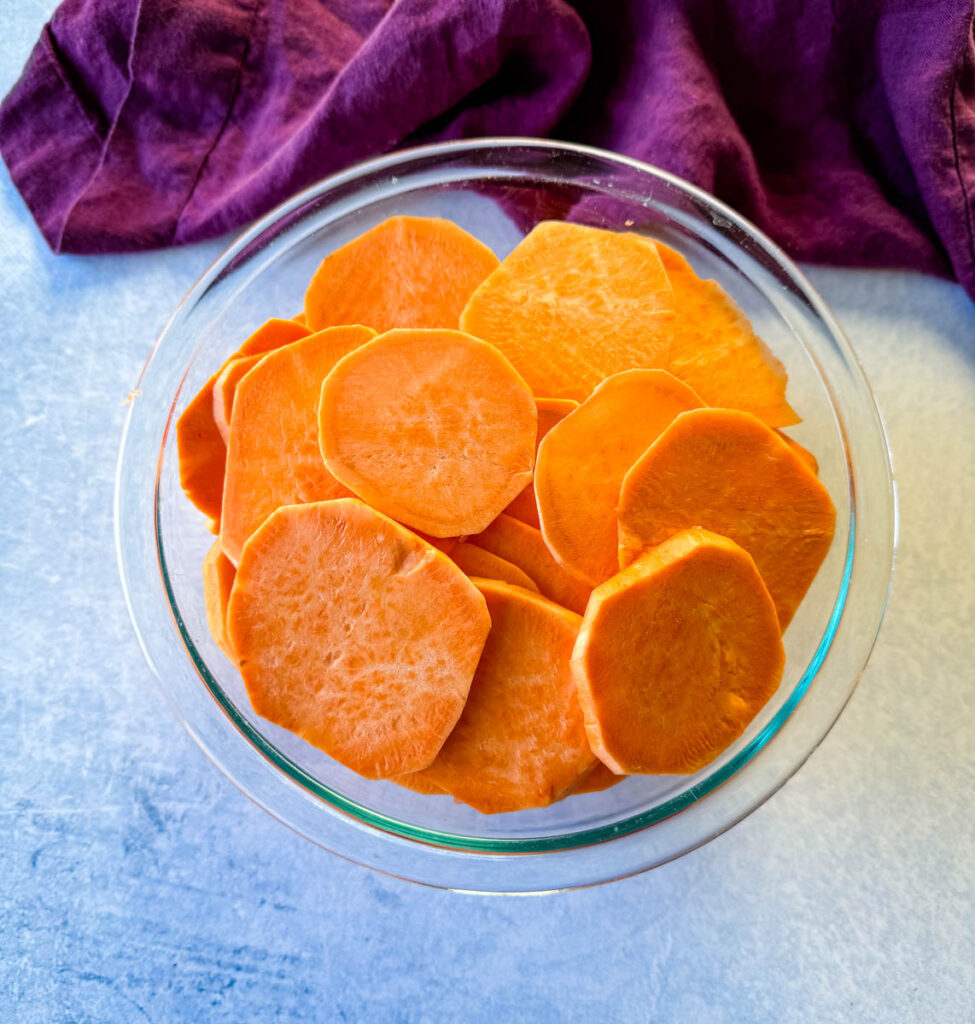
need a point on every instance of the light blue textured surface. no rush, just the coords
(136, 884)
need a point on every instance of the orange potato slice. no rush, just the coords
(218, 580)
(273, 457)
(200, 445)
(405, 272)
(202, 453)
(550, 412)
(475, 561)
(522, 545)
(715, 351)
(595, 781)
(433, 427)
(809, 460)
(582, 461)
(725, 470)
(225, 387)
(572, 305)
(520, 741)
(676, 655)
(418, 784)
(355, 634)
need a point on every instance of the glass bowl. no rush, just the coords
(498, 189)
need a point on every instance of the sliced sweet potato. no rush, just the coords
(715, 351)
(572, 305)
(596, 780)
(723, 469)
(202, 453)
(444, 544)
(272, 334)
(582, 462)
(418, 784)
(200, 445)
(433, 427)
(676, 655)
(475, 561)
(225, 386)
(405, 272)
(273, 456)
(809, 460)
(355, 634)
(522, 545)
(550, 412)
(218, 580)
(520, 741)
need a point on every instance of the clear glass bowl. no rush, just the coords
(497, 189)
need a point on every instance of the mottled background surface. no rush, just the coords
(137, 884)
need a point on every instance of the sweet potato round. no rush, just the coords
(520, 741)
(676, 655)
(355, 634)
(433, 427)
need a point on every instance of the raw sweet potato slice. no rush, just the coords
(200, 445)
(596, 780)
(273, 456)
(520, 741)
(726, 471)
(475, 561)
(225, 387)
(715, 351)
(433, 427)
(405, 272)
(418, 784)
(809, 460)
(202, 453)
(355, 634)
(218, 580)
(444, 544)
(550, 411)
(272, 334)
(676, 655)
(522, 545)
(582, 462)
(572, 305)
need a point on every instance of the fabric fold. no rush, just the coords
(844, 128)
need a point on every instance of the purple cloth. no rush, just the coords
(844, 128)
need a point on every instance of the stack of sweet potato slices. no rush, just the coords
(505, 531)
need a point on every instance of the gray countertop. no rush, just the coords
(136, 883)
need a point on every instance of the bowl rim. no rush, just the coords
(506, 846)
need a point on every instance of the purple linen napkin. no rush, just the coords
(844, 128)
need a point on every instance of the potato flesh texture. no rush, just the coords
(353, 633)
(676, 655)
(582, 462)
(225, 387)
(200, 444)
(805, 455)
(726, 471)
(202, 453)
(521, 740)
(571, 305)
(596, 780)
(716, 352)
(523, 545)
(433, 427)
(475, 561)
(550, 412)
(405, 272)
(273, 458)
(218, 581)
